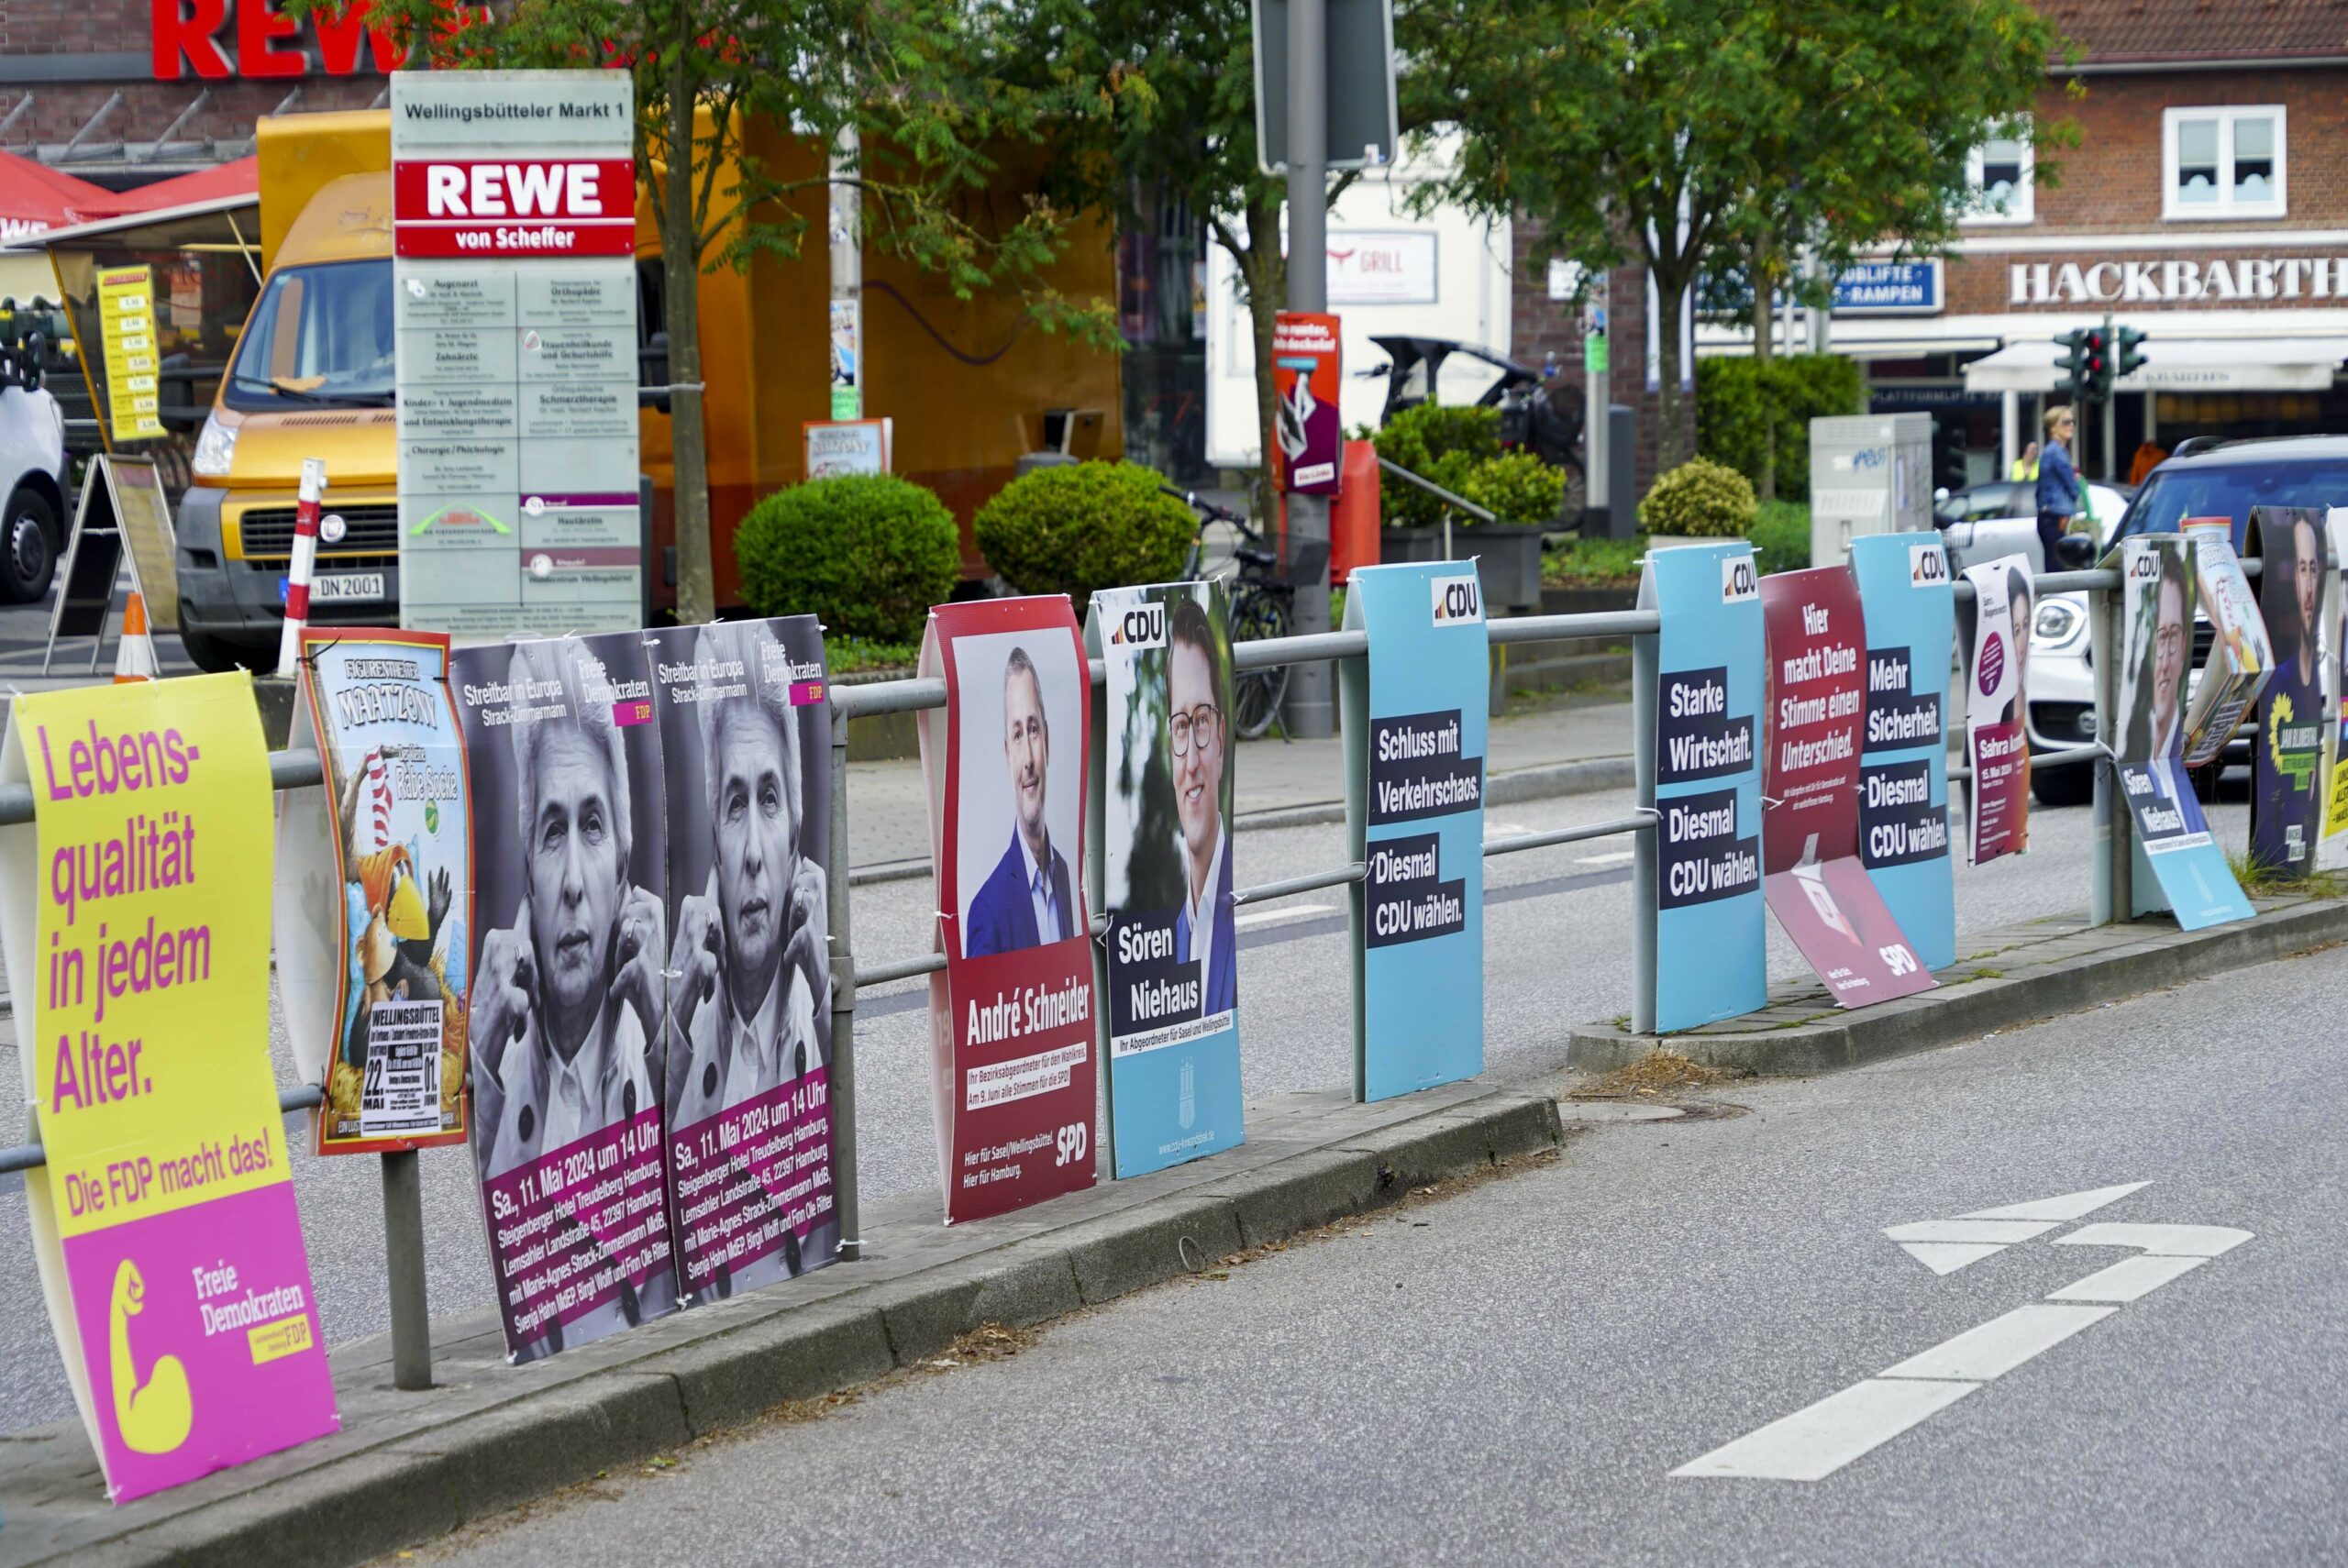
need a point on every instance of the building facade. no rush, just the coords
(2205, 204)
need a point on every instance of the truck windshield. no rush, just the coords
(320, 335)
(2172, 495)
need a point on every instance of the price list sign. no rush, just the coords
(514, 214)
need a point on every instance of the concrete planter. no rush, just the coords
(1508, 560)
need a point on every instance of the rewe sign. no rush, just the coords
(221, 40)
(523, 206)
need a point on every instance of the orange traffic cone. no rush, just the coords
(135, 659)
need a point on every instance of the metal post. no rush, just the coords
(1645, 655)
(2009, 433)
(1598, 436)
(2112, 830)
(404, 1267)
(2110, 408)
(1312, 712)
(849, 375)
(843, 1009)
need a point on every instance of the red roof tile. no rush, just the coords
(2113, 32)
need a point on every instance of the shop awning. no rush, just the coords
(239, 179)
(2179, 364)
(35, 198)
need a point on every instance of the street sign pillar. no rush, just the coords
(1312, 713)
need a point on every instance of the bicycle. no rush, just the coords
(1263, 605)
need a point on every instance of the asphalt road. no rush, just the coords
(1557, 953)
(1513, 1373)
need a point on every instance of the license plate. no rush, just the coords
(346, 586)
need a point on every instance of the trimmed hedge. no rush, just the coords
(866, 554)
(1440, 442)
(1780, 536)
(1699, 499)
(1518, 489)
(1740, 407)
(1078, 526)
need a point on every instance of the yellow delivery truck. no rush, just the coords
(970, 384)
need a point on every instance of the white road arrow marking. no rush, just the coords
(1812, 1444)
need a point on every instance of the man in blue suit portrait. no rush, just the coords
(1026, 901)
(1197, 698)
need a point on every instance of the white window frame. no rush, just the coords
(2226, 207)
(2023, 208)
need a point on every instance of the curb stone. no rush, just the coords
(2014, 975)
(408, 1468)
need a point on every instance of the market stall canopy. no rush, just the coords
(2177, 364)
(35, 198)
(240, 179)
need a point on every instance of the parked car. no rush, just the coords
(32, 478)
(1989, 535)
(2223, 479)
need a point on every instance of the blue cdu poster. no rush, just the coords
(1706, 943)
(1911, 613)
(1414, 718)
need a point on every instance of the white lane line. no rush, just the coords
(2127, 1279)
(2164, 1241)
(1999, 1231)
(2000, 1345)
(1948, 1257)
(1621, 858)
(1274, 917)
(1812, 1444)
(2070, 1205)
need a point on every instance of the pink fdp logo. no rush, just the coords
(1993, 663)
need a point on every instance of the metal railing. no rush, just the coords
(403, 1200)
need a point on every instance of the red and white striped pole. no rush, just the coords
(306, 558)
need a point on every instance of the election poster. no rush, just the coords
(1909, 609)
(1013, 1074)
(1415, 717)
(1307, 348)
(374, 888)
(746, 748)
(1996, 745)
(1171, 952)
(2177, 863)
(2239, 661)
(567, 1002)
(1810, 873)
(134, 912)
(2294, 720)
(2331, 847)
(1708, 937)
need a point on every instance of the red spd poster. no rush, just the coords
(1810, 818)
(1012, 1022)
(1305, 384)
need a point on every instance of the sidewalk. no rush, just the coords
(1573, 747)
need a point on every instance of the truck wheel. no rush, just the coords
(28, 548)
(210, 654)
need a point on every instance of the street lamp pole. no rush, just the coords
(1311, 711)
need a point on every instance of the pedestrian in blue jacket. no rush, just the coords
(2058, 483)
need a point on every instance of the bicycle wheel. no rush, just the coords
(1256, 694)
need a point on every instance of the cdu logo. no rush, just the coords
(2143, 566)
(1927, 566)
(1143, 626)
(1458, 601)
(1738, 580)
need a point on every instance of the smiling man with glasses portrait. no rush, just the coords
(1197, 697)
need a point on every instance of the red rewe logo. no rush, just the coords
(513, 207)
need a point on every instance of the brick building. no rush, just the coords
(2205, 203)
(1544, 326)
(123, 92)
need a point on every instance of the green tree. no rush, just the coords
(1690, 136)
(923, 84)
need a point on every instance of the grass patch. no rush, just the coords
(1594, 563)
(854, 655)
(1657, 1072)
(2260, 880)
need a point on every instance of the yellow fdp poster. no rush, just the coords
(135, 914)
(127, 321)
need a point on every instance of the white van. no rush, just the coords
(32, 478)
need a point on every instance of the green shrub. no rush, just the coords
(1742, 406)
(1594, 563)
(1699, 499)
(867, 554)
(1518, 489)
(1780, 538)
(1438, 442)
(1079, 526)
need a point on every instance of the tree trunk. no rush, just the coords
(689, 439)
(1264, 273)
(1673, 443)
(1758, 270)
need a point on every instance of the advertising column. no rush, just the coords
(513, 211)
(1996, 633)
(568, 1006)
(1810, 829)
(746, 747)
(2288, 750)
(135, 923)
(2178, 865)
(1172, 947)
(1909, 613)
(1013, 1066)
(374, 892)
(1415, 714)
(1710, 936)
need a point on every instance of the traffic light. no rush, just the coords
(2077, 381)
(2095, 342)
(2127, 353)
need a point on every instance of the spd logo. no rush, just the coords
(1738, 580)
(1458, 601)
(1927, 566)
(1142, 627)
